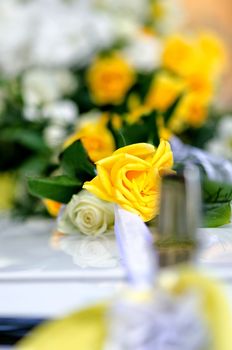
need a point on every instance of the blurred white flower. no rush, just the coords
(17, 24)
(225, 128)
(61, 112)
(73, 31)
(129, 8)
(54, 135)
(221, 145)
(171, 16)
(90, 117)
(51, 33)
(41, 86)
(31, 113)
(86, 214)
(144, 52)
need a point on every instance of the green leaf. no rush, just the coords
(76, 163)
(216, 214)
(28, 138)
(169, 112)
(152, 128)
(130, 134)
(57, 188)
(216, 192)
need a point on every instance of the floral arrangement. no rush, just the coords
(129, 177)
(102, 91)
(39, 91)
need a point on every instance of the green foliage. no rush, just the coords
(76, 163)
(144, 130)
(216, 198)
(171, 109)
(58, 188)
(77, 169)
(216, 214)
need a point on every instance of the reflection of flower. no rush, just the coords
(86, 214)
(221, 145)
(96, 138)
(131, 177)
(109, 79)
(97, 252)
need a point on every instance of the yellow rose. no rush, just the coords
(203, 56)
(131, 177)
(202, 84)
(109, 79)
(180, 55)
(164, 90)
(192, 111)
(214, 53)
(96, 138)
(52, 207)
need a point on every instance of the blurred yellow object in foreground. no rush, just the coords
(87, 329)
(215, 306)
(53, 207)
(84, 330)
(7, 189)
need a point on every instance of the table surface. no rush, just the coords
(38, 280)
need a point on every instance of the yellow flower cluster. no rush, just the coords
(109, 78)
(131, 177)
(191, 67)
(96, 138)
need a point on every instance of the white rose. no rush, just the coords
(86, 214)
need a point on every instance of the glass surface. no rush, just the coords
(27, 251)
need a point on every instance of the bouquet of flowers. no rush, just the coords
(39, 90)
(82, 192)
(130, 83)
